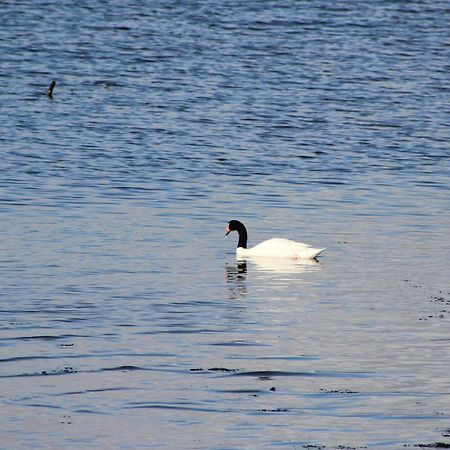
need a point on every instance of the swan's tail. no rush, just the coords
(309, 253)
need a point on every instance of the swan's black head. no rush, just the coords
(235, 225)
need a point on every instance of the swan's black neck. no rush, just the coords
(242, 235)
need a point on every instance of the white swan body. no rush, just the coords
(272, 248)
(280, 248)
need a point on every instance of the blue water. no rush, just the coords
(126, 321)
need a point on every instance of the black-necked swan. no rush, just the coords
(272, 248)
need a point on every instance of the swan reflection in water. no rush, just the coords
(282, 265)
(284, 270)
(236, 275)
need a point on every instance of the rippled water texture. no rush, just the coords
(126, 321)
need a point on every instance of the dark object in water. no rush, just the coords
(274, 410)
(435, 445)
(214, 369)
(50, 88)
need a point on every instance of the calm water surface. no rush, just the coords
(126, 321)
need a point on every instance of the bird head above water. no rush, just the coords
(235, 225)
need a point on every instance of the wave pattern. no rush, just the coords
(126, 320)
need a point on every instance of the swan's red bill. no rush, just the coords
(227, 230)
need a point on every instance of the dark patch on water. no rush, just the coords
(89, 391)
(45, 337)
(215, 369)
(122, 368)
(276, 410)
(313, 446)
(338, 391)
(434, 445)
(62, 371)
